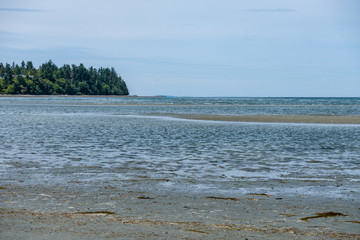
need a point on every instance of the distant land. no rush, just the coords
(49, 79)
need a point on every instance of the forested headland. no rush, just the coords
(49, 79)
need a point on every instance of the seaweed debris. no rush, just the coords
(324, 214)
(144, 197)
(288, 215)
(224, 198)
(197, 231)
(95, 213)
(259, 194)
(358, 222)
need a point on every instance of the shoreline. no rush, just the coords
(164, 96)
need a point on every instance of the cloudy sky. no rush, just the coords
(195, 47)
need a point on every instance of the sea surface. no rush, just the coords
(56, 139)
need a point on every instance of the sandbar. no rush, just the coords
(320, 119)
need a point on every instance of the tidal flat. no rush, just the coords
(156, 168)
(154, 208)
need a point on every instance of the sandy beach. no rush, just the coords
(150, 208)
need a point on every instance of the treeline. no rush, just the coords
(48, 79)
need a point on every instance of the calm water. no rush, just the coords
(125, 138)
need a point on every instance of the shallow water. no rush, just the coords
(58, 138)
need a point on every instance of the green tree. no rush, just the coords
(1, 70)
(10, 89)
(47, 70)
(23, 69)
(105, 89)
(65, 72)
(49, 79)
(16, 70)
(8, 76)
(2, 86)
(30, 70)
(31, 86)
(71, 89)
(58, 89)
(22, 89)
(84, 88)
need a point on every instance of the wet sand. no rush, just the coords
(274, 118)
(151, 208)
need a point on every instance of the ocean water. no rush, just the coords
(57, 139)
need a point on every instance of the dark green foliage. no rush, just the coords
(49, 80)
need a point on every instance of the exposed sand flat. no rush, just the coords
(126, 210)
(275, 118)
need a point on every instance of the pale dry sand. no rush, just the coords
(275, 118)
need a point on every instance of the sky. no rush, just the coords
(257, 48)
